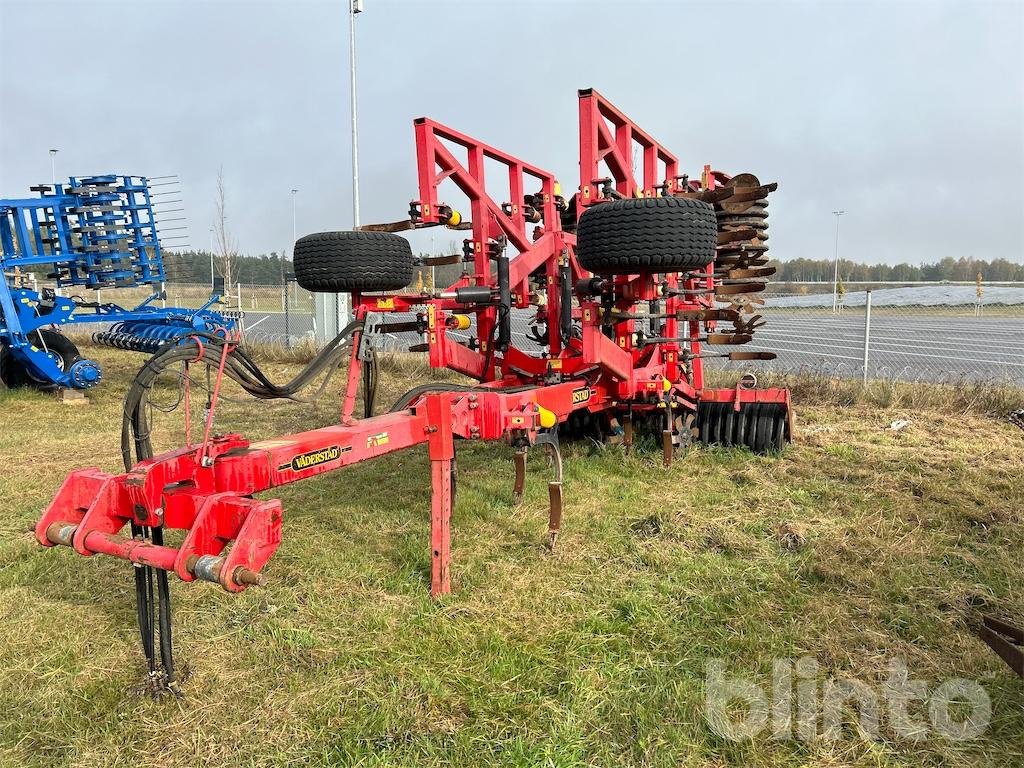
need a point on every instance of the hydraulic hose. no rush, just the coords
(136, 445)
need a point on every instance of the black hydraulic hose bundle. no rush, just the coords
(151, 584)
(370, 375)
(153, 602)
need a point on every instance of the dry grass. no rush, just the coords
(858, 545)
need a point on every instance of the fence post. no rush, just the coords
(287, 323)
(867, 332)
(239, 285)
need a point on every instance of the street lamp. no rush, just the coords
(294, 234)
(53, 168)
(284, 271)
(835, 270)
(355, 6)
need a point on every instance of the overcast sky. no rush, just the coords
(909, 116)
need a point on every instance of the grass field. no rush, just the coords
(856, 546)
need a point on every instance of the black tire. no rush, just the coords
(353, 262)
(61, 348)
(12, 373)
(647, 234)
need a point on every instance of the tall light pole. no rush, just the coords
(355, 6)
(835, 269)
(53, 168)
(294, 232)
(295, 236)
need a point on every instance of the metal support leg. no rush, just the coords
(554, 511)
(355, 370)
(519, 460)
(627, 433)
(1006, 640)
(440, 526)
(550, 442)
(442, 464)
(667, 448)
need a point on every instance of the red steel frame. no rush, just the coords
(207, 490)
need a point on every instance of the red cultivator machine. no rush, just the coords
(629, 284)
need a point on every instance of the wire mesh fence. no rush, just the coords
(927, 334)
(939, 334)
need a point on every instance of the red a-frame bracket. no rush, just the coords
(598, 118)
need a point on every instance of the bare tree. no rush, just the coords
(227, 245)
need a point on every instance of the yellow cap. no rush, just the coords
(462, 322)
(666, 384)
(455, 219)
(546, 418)
(558, 189)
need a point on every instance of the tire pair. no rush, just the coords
(650, 234)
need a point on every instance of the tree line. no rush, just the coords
(194, 267)
(962, 269)
(269, 269)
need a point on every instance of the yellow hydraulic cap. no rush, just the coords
(558, 189)
(546, 418)
(454, 220)
(461, 323)
(666, 384)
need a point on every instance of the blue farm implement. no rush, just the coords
(92, 233)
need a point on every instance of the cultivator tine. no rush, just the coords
(554, 511)
(1006, 640)
(667, 444)
(1017, 418)
(708, 195)
(666, 448)
(750, 325)
(717, 339)
(439, 261)
(550, 442)
(627, 433)
(737, 356)
(706, 315)
(519, 460)
(735, 289)
(746, 304)
(394, 226)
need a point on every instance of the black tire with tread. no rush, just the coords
(14, 375)
(353, 262)
(647, 234)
